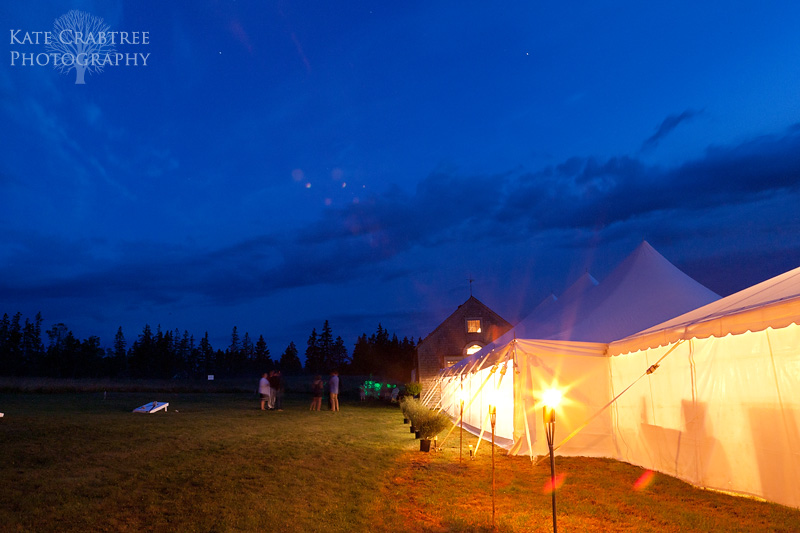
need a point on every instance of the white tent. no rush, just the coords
(723, 409)
(564, 342)
(641, 291)
(711, 396)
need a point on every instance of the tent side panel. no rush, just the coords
(498, 391)
(720, 413)
(583, 377)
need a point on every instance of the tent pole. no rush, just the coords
(496, 388)
(480, 437)
(527, 429)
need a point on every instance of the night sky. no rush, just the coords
(277, 164)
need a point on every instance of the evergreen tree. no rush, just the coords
(235, 343)
(30, 348)
(262, 361)
(362, 357)
(206, 356)
(5, 346)
(314, 362)
(340, 357)
(89, 359)
(143, 353)
(220, 362)
(187, 353)
(248, 353)
(325, 345)
(119, 344)
(234, 356)
(383, 356)
(56, 349)
(119, 360)
(290, 362)
(165, 363)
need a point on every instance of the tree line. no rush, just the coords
(172, 354)
(377, 355)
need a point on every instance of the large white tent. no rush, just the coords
(643, 290)
(565, 341)
(722, 411)
(711, 396)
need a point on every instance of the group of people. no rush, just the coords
(270, 388)
(317, 387)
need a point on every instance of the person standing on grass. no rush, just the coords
(276, 386)
(273, 389)
(263, 390)
(316, 392)
(333, 385)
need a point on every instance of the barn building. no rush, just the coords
(471, 327)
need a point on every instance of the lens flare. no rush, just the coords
(551, 398)
(553, 484)
(644, 481)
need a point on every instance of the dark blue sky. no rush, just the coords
(276, 164)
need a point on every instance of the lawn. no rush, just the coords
(215, 462)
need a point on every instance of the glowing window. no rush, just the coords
(474, 348)
(473, 325)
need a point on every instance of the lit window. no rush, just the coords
(473, 325)
(474, 348)
(450, 361)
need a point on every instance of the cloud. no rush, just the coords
(360, 243)
(592, 193)
(666, 127)
(583, 194)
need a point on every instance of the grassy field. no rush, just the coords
(215, 462)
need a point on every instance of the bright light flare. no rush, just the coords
(554, 484)
(644, 481)
(552, 398)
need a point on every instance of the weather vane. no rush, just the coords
(470, 285)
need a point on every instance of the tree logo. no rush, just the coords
(85, 39)
(79, 41)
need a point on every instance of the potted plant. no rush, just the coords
(412, 409)
(413, 389)
(431, 424)
(405, 407)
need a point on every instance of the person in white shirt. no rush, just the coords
(263, 390)
(333, 386)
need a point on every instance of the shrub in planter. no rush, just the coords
(405, 408)
(412, 409)
(413, 389)
(431, 424)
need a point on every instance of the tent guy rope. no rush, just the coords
(652, 368)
